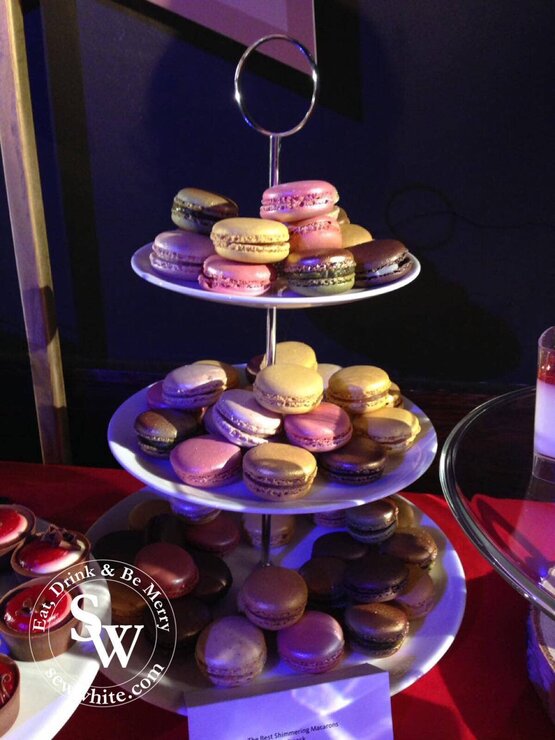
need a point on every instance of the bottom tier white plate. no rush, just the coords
(51, 690)
(428, 640)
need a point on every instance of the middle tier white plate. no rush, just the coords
(400, 471)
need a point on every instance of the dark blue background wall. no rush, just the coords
(436, 125)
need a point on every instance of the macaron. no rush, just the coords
(379, 629)
(372, 522)
(412, 545)
(330, 519)
(282, 528)
(338, 545)
(166, 527)
(251, 240)
(279, 472)
(288, 389)
(375, 577)
(322, 272)
(194, 209)
(380, 261)
(314, 644)
(206, 461)
(292, 353)
(326, 370)
(274, 597)
(395, 429)
(158, 431)
(357, 463)
(231, 651)
(299, 200)
(142, 513)
(193, 386)
(215, 577)
(327, 427)
(191, 616)
(359, 388)
(221, 275)
(233, 377)
(126, 603)
(406, 514)
(121, 545)
(219, 536)
(341, 216)
(418, 597)
(320, 232)
(394, 397)
(354, 234)
(194, 513)
(324, 579)
(170, 567)
(180, 254)
(239, 418)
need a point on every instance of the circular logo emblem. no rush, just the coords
(111, 613)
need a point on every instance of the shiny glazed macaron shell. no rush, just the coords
(231, 651)
(325, 428)
(379, 629)
(412, 545)
(193, 386)
(279, 472)
(170, 567)
(372, 522)
(274, 597)
(358, 463)
(219, 536)
(380, 261)
(324, 580)
(298, 200)
(206, 461)
(180, 254)
(322, 272)
(375, 577)
(251, 240)
(395, 429)
(198, 210)
(418, 597)
(288, 389)
(315, 644)
(359, 388)
(221, 275)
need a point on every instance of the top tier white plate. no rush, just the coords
(283, 299)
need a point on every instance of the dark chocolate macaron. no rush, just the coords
(215, 577)
(166, 527)
(375, 577)
(190, 617)
(219, 536)
(324, 580)
(379, 629)
(380, 261)
(171, 568)
(121, 546)
(358, 463)
(158, 431)
(412, 545)
(338, 545)
(372, 522)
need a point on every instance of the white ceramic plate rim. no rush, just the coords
(141, 266)
(400, 471)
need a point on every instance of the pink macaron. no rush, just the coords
(221, 275)
(206, 461)
(325, 428)
(239, 418)
(314, 644)
(320, 232)
(180, 254)
(297, 201)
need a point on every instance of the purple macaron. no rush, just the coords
(206, 461)
(239, 418)
(314, 644)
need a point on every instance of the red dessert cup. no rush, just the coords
(7, 548)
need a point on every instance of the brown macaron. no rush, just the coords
(358, 463)
(412, 545)
(379, 629)
(274, 597)
(372, 522)
(158, 431)
(380, 261)
(375, 577)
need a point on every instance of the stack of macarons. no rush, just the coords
(180, 253)
(296, 418)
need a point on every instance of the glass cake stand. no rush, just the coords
(486, 476)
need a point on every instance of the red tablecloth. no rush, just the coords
(479, 689)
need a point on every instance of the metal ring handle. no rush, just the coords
(239, 96)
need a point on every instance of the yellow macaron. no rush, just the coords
(253, 240)
(288, 389)
(359, 388)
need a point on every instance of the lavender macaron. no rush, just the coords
(206, 461)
